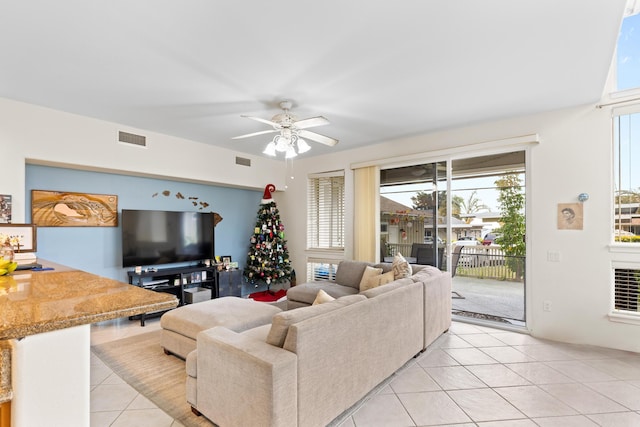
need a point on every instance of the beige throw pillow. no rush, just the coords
(379, 280)
(401, 267)
(369, 273)
(322, 297)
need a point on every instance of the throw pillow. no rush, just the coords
(322, 297)
(369, 273)
(401, 267)
(379, 280)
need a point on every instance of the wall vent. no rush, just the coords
(627, 290)
(131, 138)
(242, 161)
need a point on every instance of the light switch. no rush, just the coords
(553, 256)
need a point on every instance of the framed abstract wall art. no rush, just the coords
(67, 209)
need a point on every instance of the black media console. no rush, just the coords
(183, 282)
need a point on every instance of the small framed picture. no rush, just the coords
(21, 236)
(570, 216)
(5, 208)
(226, 260)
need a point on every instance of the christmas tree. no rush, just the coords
(268, 257)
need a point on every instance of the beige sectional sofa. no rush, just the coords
(313, 363)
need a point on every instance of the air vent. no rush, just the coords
(130, 138)
(627, 289)
(242, 161)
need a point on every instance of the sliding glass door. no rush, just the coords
(466, 216)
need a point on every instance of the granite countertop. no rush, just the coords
(44, 301)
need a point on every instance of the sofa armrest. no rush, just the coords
(245, 382)
(437, 306)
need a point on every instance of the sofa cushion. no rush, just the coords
(307, 292)
(322, 297)
(258, 333)
(370, 273)
(425, 273)
(350, 273)
(281, 321)
(401, 267)
(385, 266)
(379, 280)
(237, 314)
(370, 293)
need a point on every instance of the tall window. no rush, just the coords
(626, 130)
(325, 207)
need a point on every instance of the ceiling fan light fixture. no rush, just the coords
(303, 147)
(288, 130)
(291, 153)
(281, 143)
(270, 149)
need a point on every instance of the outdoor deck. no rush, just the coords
(489, 288)
(489, 297)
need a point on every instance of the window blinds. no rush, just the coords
(325, 207)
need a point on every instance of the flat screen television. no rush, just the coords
(165, 237)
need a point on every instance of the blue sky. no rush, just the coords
(628, 55)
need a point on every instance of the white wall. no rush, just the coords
(28, 132)
(573, 156)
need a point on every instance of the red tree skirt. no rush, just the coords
(268, 296)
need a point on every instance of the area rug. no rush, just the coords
(268, 296)
(140, 362)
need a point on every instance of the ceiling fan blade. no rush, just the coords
(255, 134)
(311, 122)
(261, 120)
(318, 138)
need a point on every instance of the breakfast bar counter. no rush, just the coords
(45, 319)
(45, 301)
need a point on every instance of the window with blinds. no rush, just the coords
(321, 269)
(325, 207)
(626, 290)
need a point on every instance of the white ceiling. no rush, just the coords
(376, 69)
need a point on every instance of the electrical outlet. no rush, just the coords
(546, 306)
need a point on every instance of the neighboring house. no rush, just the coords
(628, 217)
(401, 224)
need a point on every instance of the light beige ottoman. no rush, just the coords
(181, 325)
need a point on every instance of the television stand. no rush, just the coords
(178, 281)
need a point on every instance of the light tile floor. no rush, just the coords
(471, 376)
(114, 402)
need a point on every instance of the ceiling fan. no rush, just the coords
(290, 132)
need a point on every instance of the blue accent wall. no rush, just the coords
(98, 250)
